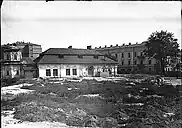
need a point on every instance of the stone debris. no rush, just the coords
(137, 104)
(10, 92)
(69, 89)
(168, 114)
(90, 96)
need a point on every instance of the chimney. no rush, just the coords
(110, 45)
(99, 46)
(129, 43)
(123, 44)
(116, 44)
(105, 46)
(70, 47)
(136, 42)
(89, 47)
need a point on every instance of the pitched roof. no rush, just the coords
(123, 46)
(10, 48)
(54, 59)
(71, 51)
(52, 56)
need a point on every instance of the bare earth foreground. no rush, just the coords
(128, 101)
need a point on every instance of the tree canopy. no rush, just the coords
(160, 45)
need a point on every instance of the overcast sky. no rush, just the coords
(60, 24)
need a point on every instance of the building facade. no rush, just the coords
(32, 50)
(14, 65)
(130, 57)
(174, 63)
(70, 62)
(11, 63)
(28, 49)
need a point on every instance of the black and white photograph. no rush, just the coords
(97, 64)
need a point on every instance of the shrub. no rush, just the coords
(35, 112)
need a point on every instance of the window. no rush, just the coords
(129, 55)
(135, 62)
(61, 56)
(8, 57)
(17, 72)
(150, 69)
(68, 72)
(135, 54)
(80, 56)
(129, 62)
(122, 55)
(55, 72)
(15, 57)
(122, 62)
(141, 54)
(48, 72)
(96, 56)
(141, 62)
(150, 61)
(116, 55)
(7, 73)
(74, 72)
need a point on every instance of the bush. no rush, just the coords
(35, 112)
(9, 81)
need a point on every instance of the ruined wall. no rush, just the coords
(12, 56)
(13, 69)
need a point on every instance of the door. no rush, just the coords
(90, 70)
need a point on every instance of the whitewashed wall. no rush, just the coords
(82, 70)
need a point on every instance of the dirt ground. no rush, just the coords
(128, 101)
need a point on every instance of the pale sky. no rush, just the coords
(60, 24)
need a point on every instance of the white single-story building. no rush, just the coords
(71, 62)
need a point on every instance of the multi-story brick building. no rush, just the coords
(32, 50)
(130, 57)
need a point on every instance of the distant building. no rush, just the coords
(174, 64)
(130, 57)
(32, 50)
(13, 65)
(71, 62)
(28, 49)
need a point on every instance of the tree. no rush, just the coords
(160, 45)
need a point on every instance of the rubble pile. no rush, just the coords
(126, 101)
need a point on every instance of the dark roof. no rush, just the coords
(10, 48)
(29, 68)
(71, 51)
(123, 46)
(52, 56)
(54, 59)
(27, 60)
